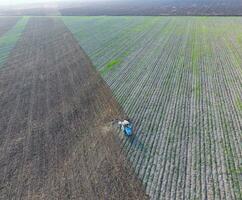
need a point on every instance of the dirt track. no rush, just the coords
(56, 140)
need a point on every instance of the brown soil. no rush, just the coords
(56, 140)
(7, 23)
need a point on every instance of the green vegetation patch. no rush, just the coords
(109, 66)
(239, 104)
(9, 39)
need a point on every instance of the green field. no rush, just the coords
(9, 39)
(180, 81)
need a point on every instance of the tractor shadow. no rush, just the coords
(135, 143)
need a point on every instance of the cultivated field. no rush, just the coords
(180, 81)
(56, 137)
(152, 7)
(6, 23)
(11, 29)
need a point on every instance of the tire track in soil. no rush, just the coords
(60, 143)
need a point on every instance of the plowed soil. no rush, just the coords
(56, 139)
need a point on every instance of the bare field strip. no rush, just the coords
(180, 81)
(56, 139)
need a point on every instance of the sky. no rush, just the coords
(21, 2)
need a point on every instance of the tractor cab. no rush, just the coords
(128, 129)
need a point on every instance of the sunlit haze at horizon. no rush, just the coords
(22, 2)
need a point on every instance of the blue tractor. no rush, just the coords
(127, 127)
(128, 130)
